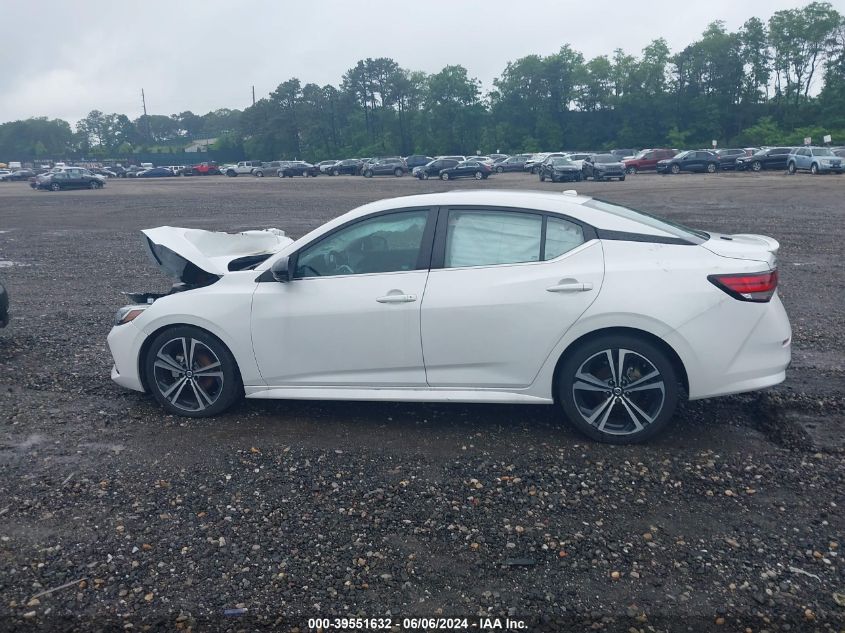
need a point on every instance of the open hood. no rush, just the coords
(195, 256)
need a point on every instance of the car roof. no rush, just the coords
(571, 205)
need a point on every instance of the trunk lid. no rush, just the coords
(199, 257)
(744, 246)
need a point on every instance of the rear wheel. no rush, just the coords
(711, 168)
(619, 389)
(368, 174)
(542, 177)
(231, 173)
(191, 373)
(444, 176)
(259, 174)
(397, 172)
(335, 172)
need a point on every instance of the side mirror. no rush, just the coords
(280, 270)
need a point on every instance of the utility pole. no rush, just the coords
(253, 95)
(146, 118)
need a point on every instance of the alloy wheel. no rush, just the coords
(188, 374)
(618, 391)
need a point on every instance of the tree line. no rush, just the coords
(771, 82)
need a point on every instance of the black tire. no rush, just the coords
(499, 170)
(424, 176)
(622, 179)
(814, 169)
(220, 392)
(711, 168)
(756, 166)
(675, 168)
(398, 172)
(631, 170)
(542, 177)
(791, 167)
(94, 185)
(55, 187)
(479, 175)
(444, 176)
(368, 174)
(579, 177)
(231, 173)
(623, 425)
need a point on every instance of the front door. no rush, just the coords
(504, 296)
(351, 314)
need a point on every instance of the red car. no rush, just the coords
(204, 169)
(647, 160)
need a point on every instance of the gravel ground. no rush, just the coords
(135, 520)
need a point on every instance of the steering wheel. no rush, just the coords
(337, 261)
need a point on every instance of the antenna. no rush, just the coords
(253, 95)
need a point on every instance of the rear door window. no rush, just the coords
(488, 238)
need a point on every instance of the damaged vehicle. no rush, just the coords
(620, 314)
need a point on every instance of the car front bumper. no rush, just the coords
(125, 343)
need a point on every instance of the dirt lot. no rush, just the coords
(731, 521)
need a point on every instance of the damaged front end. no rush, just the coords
(196, 258)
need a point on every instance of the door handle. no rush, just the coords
(570, 286)
(397, 298)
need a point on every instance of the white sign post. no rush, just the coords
(714, 143)
(827, 138)
(808, 140)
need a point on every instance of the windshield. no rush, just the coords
(560, 160)
(605, 158)
(678, 230)
(823, 152)
(681, 155)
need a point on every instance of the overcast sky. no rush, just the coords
(64, 60)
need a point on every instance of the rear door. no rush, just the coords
(505, 285)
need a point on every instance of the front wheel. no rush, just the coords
(479, 175)
(368, 174)
(622, 179)
(444, 176)
(231, 173)
(791, 168)
(55, 187)
(756, 165)
(397, 172)
(335, 172)
(425, 175)
(631, 170)
(93, 185)
(542, 177)
(676, 169)
(499, 170)
(814, 169)
(191, 373)
(619, 389)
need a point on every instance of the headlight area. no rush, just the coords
(128, 313)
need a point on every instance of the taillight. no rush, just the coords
(758, 287)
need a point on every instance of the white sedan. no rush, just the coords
(467, 296)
